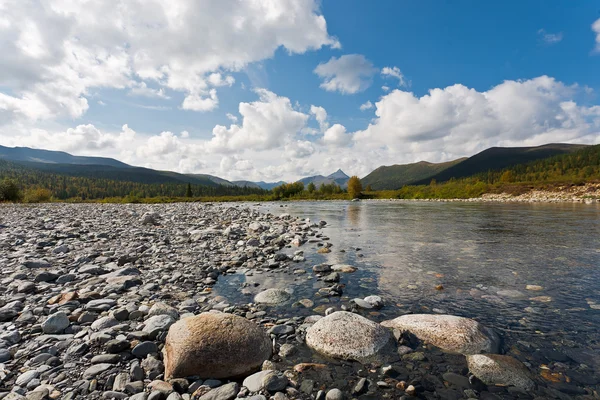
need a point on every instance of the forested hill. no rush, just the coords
(395, 176)
(54, 157)
(575, 167)
(497, 158)
(98, 182)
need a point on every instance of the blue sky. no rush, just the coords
(463, 51)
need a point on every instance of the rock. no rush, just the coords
(55, 323)
(287, 349)
(26, 377)
(362, 304)
(281, 330)
(38, 263)
(95, 370)
(4, 355)
(158, 323)
(225, 392)
(45, 276)
(163, 309)
(343, 268)
(254, 382)
(334, 394)
(141, 350)
(150, 218)
(104, 323)
(448, 332)
(375, 301)
(347, 336)
(216, 345)
(272, 297)
(495, 369)
(535, 288)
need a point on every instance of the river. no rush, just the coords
(530, 271)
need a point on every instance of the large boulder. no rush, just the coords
(348, 336)
(215, 345)
(448, 332)
(495, 369)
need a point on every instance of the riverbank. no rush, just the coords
(90, 291)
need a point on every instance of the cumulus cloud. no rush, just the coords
(231, 117)
(336, 136)
(596, 29)
(366, 106)
(268, 123)
(348, 74)
(457, 121)
(321, 116)
(550, 38)
(394, 72)
(52, 55)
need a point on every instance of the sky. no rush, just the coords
(281, 89)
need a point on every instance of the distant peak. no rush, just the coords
(338, 174)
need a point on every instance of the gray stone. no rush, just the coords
(334, 394)
(4, 355)
(38, 263)
(158, 323)
(225, 392)
(347, 336)
(141, 350)
(26, 377)
(95, 370)
(281, 330)
(55, 323)
(272, 296)
(104, 323)
(495, 369)
(163, 309)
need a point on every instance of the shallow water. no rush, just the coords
(483, 254)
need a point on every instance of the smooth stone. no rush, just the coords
(362, 304)
(163, 309)
(225, 392)
(281, 330)
(104, 323)
(347, 336)
(95, 370)
(141, 350)
(334, 394)
(215, 345)
(26, 377)
(375, 301)
(495, 369)
(55, 323)
(4, 355)
(158, 323)
(272, 296)
(254, 382)
(448, 332)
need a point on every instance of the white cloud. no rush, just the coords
(196, 102)
(596, 29)
(321, 117)
(348, 74)
(184, 134)
(142, 89)
(336, 136)
(232, 117)
(550, 38)
(457, 121)
(100, 102)
(366, 106)
(394, 72)
(268, 123)
(53, 54)
(385, 88)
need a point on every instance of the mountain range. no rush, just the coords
(383, 178)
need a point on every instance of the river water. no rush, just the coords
(484, 255)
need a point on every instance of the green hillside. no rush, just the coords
(395, 176)
(98, 182)
(497, 158)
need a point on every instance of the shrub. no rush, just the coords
(38, 195)
(9, 190)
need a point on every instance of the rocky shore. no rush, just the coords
(117, 301)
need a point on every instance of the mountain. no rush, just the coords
(269, 185)
(497, 158)
(338, 177)
(212, 178)
(54, 157)
(246, 184)
(395, 176)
